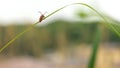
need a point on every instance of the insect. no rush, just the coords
(41, 16)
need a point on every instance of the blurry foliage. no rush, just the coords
(51, 37)
(82, 14)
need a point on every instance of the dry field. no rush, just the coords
(108, 57)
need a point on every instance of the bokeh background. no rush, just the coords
(64, 40)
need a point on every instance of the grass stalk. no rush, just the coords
(95, 45)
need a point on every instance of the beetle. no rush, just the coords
(41, 16)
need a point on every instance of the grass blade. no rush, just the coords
(95, 44)
(95, 47)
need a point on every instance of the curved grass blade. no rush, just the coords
(91, 64)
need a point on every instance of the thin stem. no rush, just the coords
(20, 34)
(95, 47)
(16, 37)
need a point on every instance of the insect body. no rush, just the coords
(41, 17)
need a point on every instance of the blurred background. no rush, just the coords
(64, 40)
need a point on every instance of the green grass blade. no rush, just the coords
(16, 37)
(97, 39)
(106, 22)
(95, 47)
